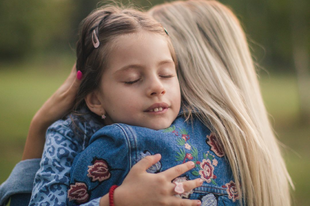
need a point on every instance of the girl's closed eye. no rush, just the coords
(132, 81)
(166, 75)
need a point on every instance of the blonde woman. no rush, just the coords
(216, 65)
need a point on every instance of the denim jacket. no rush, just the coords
(114, 149)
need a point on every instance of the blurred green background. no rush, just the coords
(37, 43)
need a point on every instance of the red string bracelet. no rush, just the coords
(111, 195)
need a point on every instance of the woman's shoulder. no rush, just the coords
(61, 126)
(75, 127)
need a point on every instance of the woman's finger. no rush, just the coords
(178, 170)
(74, 79)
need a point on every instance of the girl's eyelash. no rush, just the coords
(132, 82)
(166, 76)
(162, 76)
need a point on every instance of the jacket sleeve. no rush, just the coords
(52, 179)
(105, 162)
(20, 180)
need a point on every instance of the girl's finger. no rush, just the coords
(184, 202)
(178, 170)
(189, 185)
(146, 162)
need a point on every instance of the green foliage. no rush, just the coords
(32, 25)
(36, 25)
(269, 25)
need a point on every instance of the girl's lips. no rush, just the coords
(158, 107)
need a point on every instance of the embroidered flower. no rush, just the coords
(216, 147)
(187, 146)
(207, 170)
(188, 156)
(185, 194)
(214, 162)
(185, 136)
(99, 171)
(78, 192)
(232, 191)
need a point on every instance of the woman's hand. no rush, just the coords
(56, 107)
(143, 188)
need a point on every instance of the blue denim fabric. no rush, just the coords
(20, 182)
(114, 149)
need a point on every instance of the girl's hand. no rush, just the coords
(143, 188)
(56, 107)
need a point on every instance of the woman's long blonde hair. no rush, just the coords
(217, 77)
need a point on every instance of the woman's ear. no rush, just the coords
(94, 104)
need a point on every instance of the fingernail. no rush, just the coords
(191, 164)
(198, 203)
(157, 155)
(79, 75)
(200, 181)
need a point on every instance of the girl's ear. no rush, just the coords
(94, 104)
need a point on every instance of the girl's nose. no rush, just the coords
(156, 88)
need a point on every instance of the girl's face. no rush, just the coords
(140, 86)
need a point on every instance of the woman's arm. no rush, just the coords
(52, 179)
(56, 107)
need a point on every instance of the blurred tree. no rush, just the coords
(27, 26)
(35, 25)
(300, 37)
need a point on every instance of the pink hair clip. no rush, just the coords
(95, 39)
(79, 75)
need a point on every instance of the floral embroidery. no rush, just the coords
(232, 191)
(172, 129)
(207, 166)
(207, 172)
(215, 162)
(216, 147)
(187, 146)
(205, 169)
(185, 194)
(78, 192)
(99, 170)
(185, 136)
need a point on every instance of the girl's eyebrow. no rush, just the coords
(168, 61)
(128, 67)
(139, 66)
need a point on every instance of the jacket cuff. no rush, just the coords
(20, 180)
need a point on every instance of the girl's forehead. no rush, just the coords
(140, 48)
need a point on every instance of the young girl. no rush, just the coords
(129, 76)
(221, 84)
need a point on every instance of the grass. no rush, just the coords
(25, 86)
